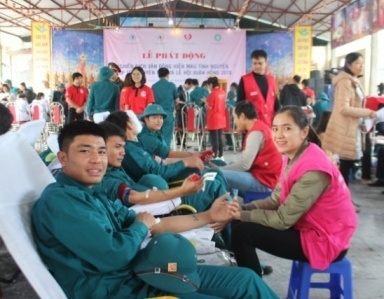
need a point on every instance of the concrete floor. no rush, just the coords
(366, 254)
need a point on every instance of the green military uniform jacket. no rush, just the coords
(137, 162)
(104, 96)
(197, 94)
(154, 143)
(88, 242)
(115, 176)
(165, 94)
(201, 201)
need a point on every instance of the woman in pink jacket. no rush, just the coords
(309, 216)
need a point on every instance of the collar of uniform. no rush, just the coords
(145, 130)
(114, 169)
(68, 181)
(134, 143)
(110, 169)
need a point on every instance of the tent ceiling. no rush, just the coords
(16, 15)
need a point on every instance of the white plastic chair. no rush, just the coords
(23, 178)
(32, 130)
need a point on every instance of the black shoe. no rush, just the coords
(377, 183)
(266, 270)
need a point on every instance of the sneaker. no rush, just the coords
(221, 158)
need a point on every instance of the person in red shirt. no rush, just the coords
(216, 110)
(138, 96)
(127, 83)
(309, 93)
(76, 96)
(259, 88)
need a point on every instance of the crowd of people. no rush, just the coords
(29, 105)
(89, 237)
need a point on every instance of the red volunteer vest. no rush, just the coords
(264, 107)
(266, 167)
(216, 110)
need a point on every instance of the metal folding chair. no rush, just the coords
(57, 118)
(35, 112)
(230, 127)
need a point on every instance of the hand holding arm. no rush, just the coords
(146, 218)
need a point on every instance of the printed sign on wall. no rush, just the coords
(41, 51)
(302, 50)
(187, 53)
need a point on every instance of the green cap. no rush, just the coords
(168, 263)
(105, 73)
(154, 109)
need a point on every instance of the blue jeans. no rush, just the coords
(243, 181)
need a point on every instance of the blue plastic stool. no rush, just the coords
(251, 196)
(300, 281)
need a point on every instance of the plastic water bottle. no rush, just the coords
(235, 192)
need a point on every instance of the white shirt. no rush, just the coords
(48, 94)
(22, 110)
(7, 95)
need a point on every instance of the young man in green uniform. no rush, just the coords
(151, 137)
(115, 77)
(117, 184)
(167, 96)
(89, 243)
(198, 93)
(152, 140)
(105, 95)
(138, 162)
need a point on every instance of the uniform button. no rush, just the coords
(109, 230)
(266, 163)
(265, 114)
(265, 106)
